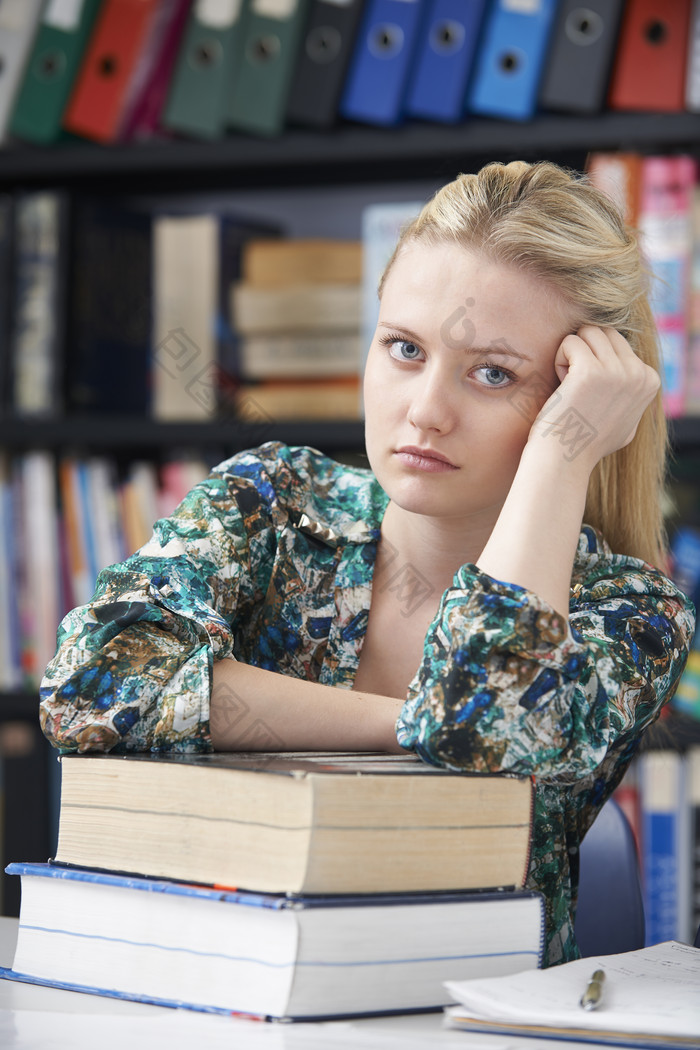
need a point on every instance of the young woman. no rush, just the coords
(489, 595)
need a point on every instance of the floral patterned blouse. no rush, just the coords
(270, 560)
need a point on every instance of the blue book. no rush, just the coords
(665, 836)
(510, 60)
(445, 59)
(382, 61)
(270, 956)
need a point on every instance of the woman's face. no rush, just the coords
(461, 362)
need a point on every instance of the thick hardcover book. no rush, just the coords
(295, 823)
(269, 956)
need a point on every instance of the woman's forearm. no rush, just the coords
(534, 541)
(257, 710)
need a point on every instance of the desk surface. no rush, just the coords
(35, 1018)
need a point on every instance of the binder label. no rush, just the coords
(279, 9)
(64, 14)
(217, 14)
(522, 7)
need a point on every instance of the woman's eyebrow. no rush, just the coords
(498, 347)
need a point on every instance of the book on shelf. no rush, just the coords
(300, 355)
(269, 50)
(337, 397)
(692, 383)
(649, 68)
(269, 956)
(54, 60)
(63, 518)
(197, 256)
(650, 998)
(125, 41)
(301, 823)
(10, 664)
(693, 797)
(42, 259)
(580, 56)
(149, 83)
(138, 503)
(19, 21)
(110, 305)
(692, 79)
(619, 174)
(41, 600)
(665, 833)
(301, 260)
(666, 228)
(296, 308)
(297, 312)
(381, 226)
(185, 297)
(322, 66)
(206, 62)
(7, 299)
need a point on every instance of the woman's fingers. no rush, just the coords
(603, 384)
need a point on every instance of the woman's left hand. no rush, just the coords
(604, 389)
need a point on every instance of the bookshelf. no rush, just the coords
(345, 157)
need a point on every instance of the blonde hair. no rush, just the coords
(554, 224)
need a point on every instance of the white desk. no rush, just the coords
(35, 1018)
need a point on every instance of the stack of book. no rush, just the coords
(298, 313)
(363, 883)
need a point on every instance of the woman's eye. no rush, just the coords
(492, 376)
(402, 350)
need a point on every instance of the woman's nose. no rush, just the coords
(432, 404)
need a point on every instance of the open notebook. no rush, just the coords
(651, 998)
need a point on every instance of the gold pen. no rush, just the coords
(590, 1000)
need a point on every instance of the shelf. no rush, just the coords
(19, 705)
(131, 435)
(343, 154)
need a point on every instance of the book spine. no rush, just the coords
(41, 264)
(666, 226)
(693, 782)
(665, 838)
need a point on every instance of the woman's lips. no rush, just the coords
(425, 459)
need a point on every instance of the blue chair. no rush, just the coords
(610, 913)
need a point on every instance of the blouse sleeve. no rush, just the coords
(133, 667)
(507, 684)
